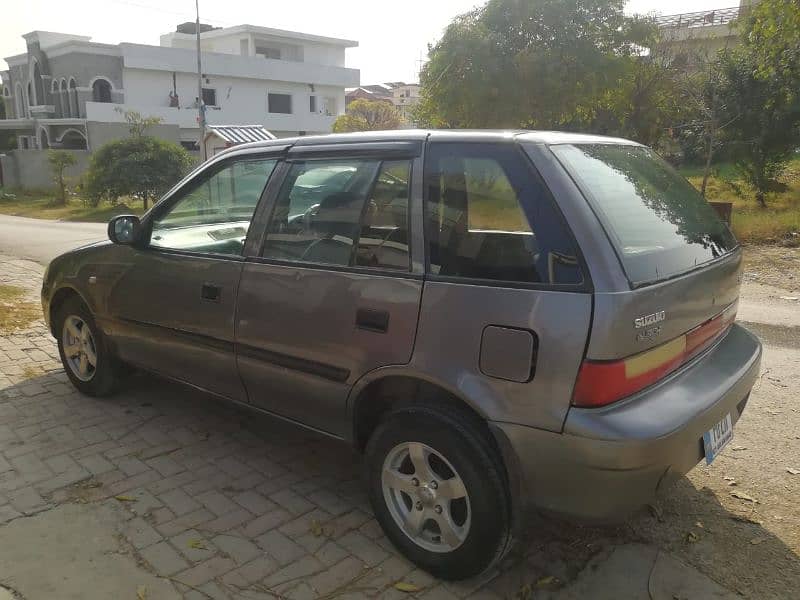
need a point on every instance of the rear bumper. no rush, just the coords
(611, 461)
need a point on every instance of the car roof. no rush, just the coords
(449, 135)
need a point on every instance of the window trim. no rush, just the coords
(526, 162)
(197, 177)
(272, 202)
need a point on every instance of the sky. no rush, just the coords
(393, 37)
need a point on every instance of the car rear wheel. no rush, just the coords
(438, 490)
(83, 350)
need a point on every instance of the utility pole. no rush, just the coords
(200, 104)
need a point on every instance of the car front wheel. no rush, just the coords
(438, 490)
(84, 353)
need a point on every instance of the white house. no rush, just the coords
(67, 91)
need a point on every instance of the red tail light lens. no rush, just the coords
(603, 382)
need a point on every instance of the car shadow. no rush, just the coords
(43, 414)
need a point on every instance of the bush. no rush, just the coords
(143, 166)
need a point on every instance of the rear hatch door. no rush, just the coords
(682, 263)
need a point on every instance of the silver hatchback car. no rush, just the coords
(499, 320)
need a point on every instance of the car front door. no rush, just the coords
(331, 293)
(173, 300)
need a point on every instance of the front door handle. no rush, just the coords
(210, 292)
(372, 320)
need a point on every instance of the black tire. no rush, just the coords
(459, 438)
(104, 378)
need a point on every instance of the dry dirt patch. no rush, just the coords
(16, 311)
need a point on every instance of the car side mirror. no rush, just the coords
(124, 229)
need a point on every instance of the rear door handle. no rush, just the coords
(372, 320)
(210, 292)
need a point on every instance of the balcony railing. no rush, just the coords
(706, 18)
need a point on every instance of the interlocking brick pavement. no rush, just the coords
(224, 503)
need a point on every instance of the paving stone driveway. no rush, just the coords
(228, 503)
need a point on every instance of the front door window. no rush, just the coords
(213, 214)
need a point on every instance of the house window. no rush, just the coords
(209, 96)
(279, 103)
(244, 47)
(101, 91)
(312, 104)
(267, 52)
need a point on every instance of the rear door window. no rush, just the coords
(658, 223)
(489, 218)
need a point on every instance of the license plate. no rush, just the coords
(715, 439)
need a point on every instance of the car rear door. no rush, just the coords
(172, 299)
(507, 305)
(330, 292)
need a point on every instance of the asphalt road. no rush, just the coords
(42, 240)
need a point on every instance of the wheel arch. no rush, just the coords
(59, 297)
(388, 388)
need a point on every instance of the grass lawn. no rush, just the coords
(751, 223)
(43, 206)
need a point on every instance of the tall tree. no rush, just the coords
(539, 64)
(368, 115)
(761, 92)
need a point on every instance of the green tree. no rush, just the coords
(539, 64)
(368, 115)
(59, 160)
(761, 93)
(143, 167)
(137, 124)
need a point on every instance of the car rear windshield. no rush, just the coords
(659, 223)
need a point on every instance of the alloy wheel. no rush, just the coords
(426, 497)
(80, 351)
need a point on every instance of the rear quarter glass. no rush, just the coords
(659, 224)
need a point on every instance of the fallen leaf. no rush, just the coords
(756, 541)
(198, 544)
(739, 448)
(789, 298)
(408, 588)
(699, 524)
(692, 537)
(547, 581)
(743, 496)
(125, 498)
(316, 528)
(793, 471)
(141, 592)
(732, 483)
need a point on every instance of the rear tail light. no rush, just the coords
(602, 382)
